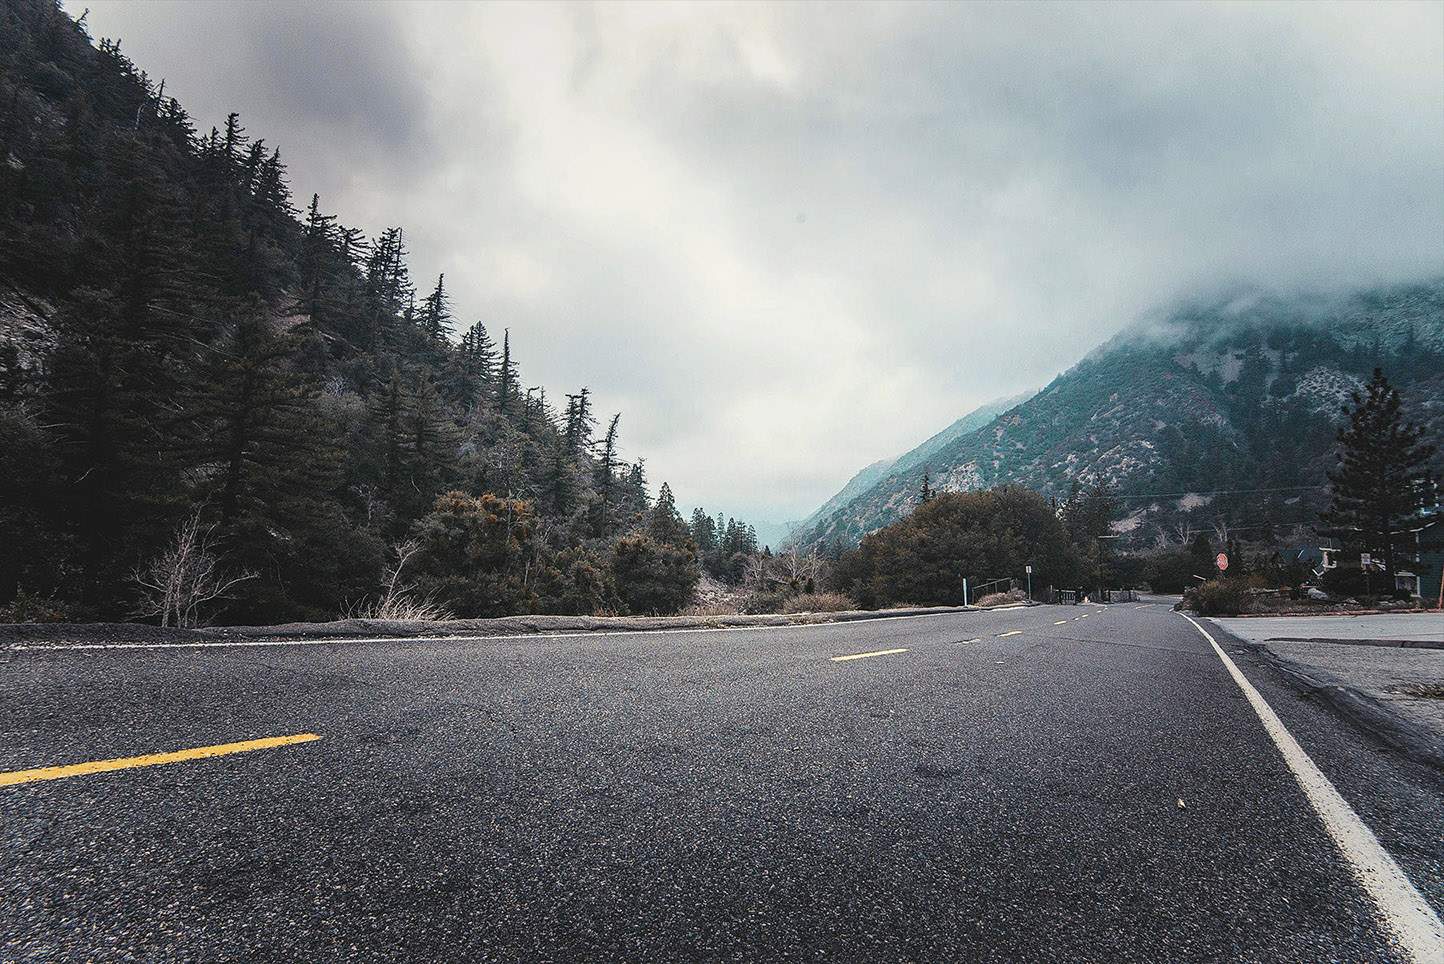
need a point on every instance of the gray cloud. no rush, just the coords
(788, 240)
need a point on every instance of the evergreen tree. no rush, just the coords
(506, 385)
(436, 313)
(472, 367)
(704, 532)
(664, 523)
(927, 492)
(1382, 475)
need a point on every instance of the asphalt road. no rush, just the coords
(724, 794)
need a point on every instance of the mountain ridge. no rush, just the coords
(1243, 392)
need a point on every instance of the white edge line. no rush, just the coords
(1405, 912)
(336, 641)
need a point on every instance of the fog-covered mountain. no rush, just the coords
(1181, 411)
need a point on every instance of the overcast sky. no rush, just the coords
(786, 241)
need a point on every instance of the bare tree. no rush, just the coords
(180, 581)
(790, 571)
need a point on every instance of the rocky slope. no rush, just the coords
(1179, 412)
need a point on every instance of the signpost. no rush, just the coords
(1221, 562)
(1029, 571)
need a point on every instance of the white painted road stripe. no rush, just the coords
(1011, 632)
(880, 652)
(1404, 910)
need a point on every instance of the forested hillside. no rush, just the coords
(189, 353)
(1220, 414)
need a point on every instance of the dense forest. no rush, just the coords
(206, 381)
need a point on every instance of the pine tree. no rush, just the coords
(317, 255)
(506, 384)
(436, 313)
(704, 533)
(560, 482)
(664, 523)
(927, 493)
(386, 291)
(472, 367)
(430, 450)
(579, 423)
(1379, 485)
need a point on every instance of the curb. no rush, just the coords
(19, 636)
(1387, 643)
(1351, 703)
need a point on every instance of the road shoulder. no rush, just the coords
(1372, 687)
(93, 635)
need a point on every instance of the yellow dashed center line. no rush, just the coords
(880, 652)
(1011, 632)
(151, 759)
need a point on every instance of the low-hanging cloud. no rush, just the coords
(788, 240)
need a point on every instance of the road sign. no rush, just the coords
(1221, 561)
(1028, 570)
(1365, 560)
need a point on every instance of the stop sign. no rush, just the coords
(1221, 562)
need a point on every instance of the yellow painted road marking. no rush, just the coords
(1011, 632)
(1060, 622)
(151, 759)
(880, 652)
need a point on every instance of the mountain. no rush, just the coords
(1180, 412)
(875, 473)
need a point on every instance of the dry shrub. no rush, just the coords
(763, 602)
(716, 607)
(1217, 597)
(29, 607)
(400, 602)
(819, 602)
(1010, 598)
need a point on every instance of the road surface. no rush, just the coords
(1049, 783)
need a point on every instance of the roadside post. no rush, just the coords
(1364, 560)
(1029, 571)
(965, 590)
